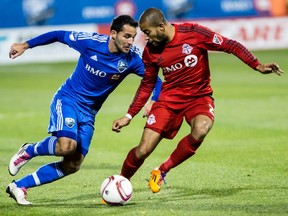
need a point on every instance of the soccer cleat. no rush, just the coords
(156, 180)
(18, 194)
(19, 160)
(103, 202)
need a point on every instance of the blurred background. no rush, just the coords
(258, 24)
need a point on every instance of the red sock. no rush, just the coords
(185, 149)
(131, 164)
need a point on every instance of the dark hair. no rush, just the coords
(121, 20)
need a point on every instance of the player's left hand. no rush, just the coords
(269, 68)
(147, 108)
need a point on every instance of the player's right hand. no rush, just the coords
(119, 123)
(18, 49)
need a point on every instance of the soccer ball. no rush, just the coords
(116, 190)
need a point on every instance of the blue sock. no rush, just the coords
(45, 174)
(45, 147)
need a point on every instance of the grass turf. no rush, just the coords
(240, 169)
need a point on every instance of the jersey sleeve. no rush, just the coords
(146, 86)
(79, 41)
(139, 70)
(47, 38)
(213, 41)
(75, 40)
(157, 89)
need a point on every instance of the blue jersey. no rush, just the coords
(98, 71)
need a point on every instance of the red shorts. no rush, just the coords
(166, 117)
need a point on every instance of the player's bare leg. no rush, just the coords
(200, 126)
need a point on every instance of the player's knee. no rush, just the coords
(142, 152)
(73, 169)
(70, 168)
(65, 146)
(200, 131)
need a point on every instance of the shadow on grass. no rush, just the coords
(86, 201)
(175, 198)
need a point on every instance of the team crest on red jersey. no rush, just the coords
(151, 119)
(217, 39)
(186, 49)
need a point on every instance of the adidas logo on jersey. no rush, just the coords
(94, 58)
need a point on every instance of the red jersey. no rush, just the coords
(184, 63)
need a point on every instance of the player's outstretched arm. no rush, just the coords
(119, 123)
(18, 49)
(269, 68)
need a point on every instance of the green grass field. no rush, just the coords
(240, 169)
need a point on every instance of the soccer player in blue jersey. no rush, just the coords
(104, 62)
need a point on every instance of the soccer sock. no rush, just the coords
(45, 174)
(131, 164)
(185, 149)
(45, 147)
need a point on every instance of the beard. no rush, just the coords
(121, 48)
(162, 39)
(159, 45)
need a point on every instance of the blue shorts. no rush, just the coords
(67, 121)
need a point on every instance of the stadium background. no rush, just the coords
(258, 24)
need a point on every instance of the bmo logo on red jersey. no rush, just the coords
(189, 61)
(174, 67)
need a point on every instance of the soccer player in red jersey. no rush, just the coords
(181, 51)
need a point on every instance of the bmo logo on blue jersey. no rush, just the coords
(95, 72)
